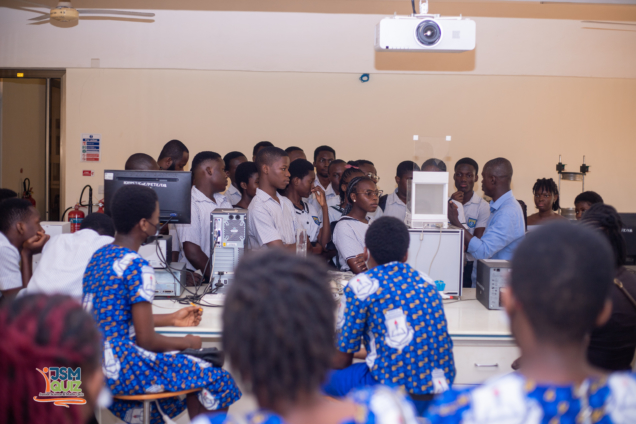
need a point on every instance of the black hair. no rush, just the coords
(607, 219)
(467, 161)
(590, 197)
(202, 157)
(6, 193)
(99, 222)
(293, 149)
(335, 162)
(173, 149)
(502, 168)
(130, 204)
(244, 172)
(323, 149)
(12, 211)
(406, 166)
(361, 162)
(231, 156)
(548, 185)
(278, 324)
(300, 168)
(387, 240)
(140, 162)
(346, 174)
(269, 155)
(438, 163)
(351, 188)
(562, 275)
(260, 144)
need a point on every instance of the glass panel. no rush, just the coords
(428, 199)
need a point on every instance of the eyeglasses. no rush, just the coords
(370, 193)
(373, 176)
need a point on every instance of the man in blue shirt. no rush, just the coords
(398, 314)
(506, 227)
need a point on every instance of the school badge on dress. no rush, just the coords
(399, 332)
(364, 286)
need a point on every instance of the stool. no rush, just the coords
(151, 397)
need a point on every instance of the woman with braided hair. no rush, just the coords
(351, 171)
(362, 197)
(278, 334)
(546, 199)
(612, 346)
(38, 332)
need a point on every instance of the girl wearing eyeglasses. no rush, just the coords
(362, 196)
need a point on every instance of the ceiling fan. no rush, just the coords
(65, 12)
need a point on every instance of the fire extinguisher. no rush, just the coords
(75, 217)
(100, 205)
(28, 191)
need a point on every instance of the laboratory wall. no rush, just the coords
(22, 146)
(530, 120)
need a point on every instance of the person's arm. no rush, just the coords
(31, 247)
(351, 327)
(196, 257)
(501, 232)
(349, 247)
(148, 339)
(453, 217)
(324, 236)
(479, 232)
(280, 244)
(342, 360)
(184, 317)
(357, 264)
(262, 224)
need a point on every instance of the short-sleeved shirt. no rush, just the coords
(477, 212)
(332, 198)
(233, 194)
(348, 237)
(398, 313)
(515, 399)
(10, 274)
(269, 220)
(309, 219)
(198, 231)
(395, 207)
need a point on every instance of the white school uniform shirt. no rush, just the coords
(233, 194)
(63, 263)
(348, 237)
(310, 219)
(477, 212)
(460, 212)
(198, 231)
(332, 198)
(395, 207)
(269, 220)
(336, 212)
(10, 274)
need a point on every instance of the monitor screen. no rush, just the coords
(172, 188)
(429, 199)
(629, 233)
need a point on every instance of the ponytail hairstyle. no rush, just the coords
(605, 218)
(351, 168)
(39, 331)
(547, 185)
(351, 188)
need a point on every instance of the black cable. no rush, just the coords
(64, 213)
(413, 6)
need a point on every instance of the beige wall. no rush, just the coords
(23, 144)
(530, 120)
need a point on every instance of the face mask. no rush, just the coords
(157, 229)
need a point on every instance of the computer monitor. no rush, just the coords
(172, 188)
(629, 233)
(427, 200)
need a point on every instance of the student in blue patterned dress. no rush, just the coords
(278, 334)
(558, 293)
(119, 287)
(398, 314)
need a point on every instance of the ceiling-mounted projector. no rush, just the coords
(423, 32)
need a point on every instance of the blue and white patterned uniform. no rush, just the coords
(375, 405)
(513, 399)
(399, 315)
(116, 278)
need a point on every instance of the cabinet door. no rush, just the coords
(475, 363)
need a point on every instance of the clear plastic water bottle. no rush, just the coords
(301, 242)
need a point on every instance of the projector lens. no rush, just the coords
(428, 33)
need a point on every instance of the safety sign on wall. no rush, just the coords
(91, 147)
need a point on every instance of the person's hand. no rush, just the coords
(320, 195)
(453, 214)
(361, 262)
(188, 317)
(195, 341)
(193, 279)
(458, 196)
(36, 243)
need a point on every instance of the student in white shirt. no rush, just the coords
(270, 218)
(21, 237)
(232, 161)
(476, 209)
(351, 171)
(301, 185)
(174, 156)
(323, 157)
(394, 204)
(209, 180)
(247, 182)
(436, 165)
(294, 153)
(66, 256)
(369, 170)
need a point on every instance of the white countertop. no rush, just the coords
(467, 319)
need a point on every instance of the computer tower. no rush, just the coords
(228, 240)
(492, 276)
